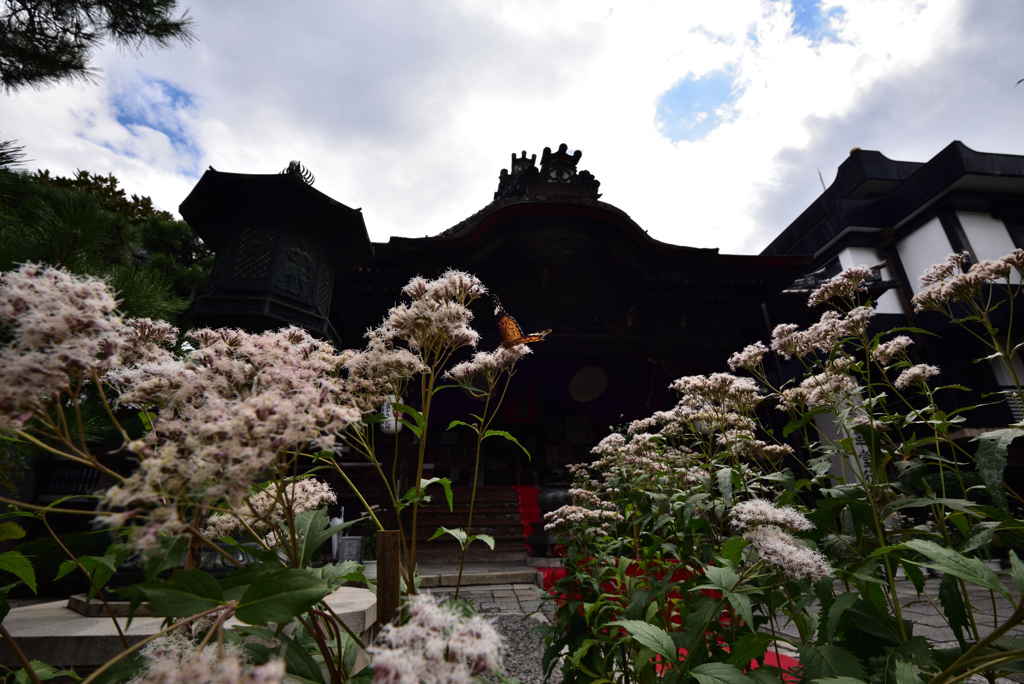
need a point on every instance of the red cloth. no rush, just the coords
(529, 511)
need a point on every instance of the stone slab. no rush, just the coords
(57, 635)
(500, 577)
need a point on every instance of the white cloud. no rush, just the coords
(410, 109)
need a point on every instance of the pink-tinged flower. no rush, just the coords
(266, 508)
(950, 281)
(489, 364)
(916, 374)
(144, 340)
(789, 341)
(828, 388)
(846, 285)
(174, 658)
(787, 554)
(763, 512)
(887, 351)
(437, 644)
(59, 329)
(749, 358)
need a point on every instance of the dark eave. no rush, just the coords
(481, 223)
(224, 199)
(844, 206)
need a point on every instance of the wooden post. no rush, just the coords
(388, 576)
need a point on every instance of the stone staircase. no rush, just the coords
(496, 514)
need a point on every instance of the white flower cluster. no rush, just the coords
(267, 506)
(224, 416)
(58, 329)
(436, 645)
(592, 522)
(916, 374)
(766, 528)
(173, 659)
(846, 285)
(833, 327)
(887, 351)
(951, 281)
(489, 364)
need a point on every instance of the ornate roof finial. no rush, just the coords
(556, 167)
(297, 169)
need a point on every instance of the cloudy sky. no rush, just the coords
(708, 122)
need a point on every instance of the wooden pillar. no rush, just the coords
(388, 576)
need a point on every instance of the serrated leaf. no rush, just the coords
(651, 636)
(842, 603)
(906, 673)
(798, 423)
(990, 461)
(838, 680)
(298, 662)
(949, 561)
(444, 482)
(187, 593)
(953, 607)
(19, 566)
(749, 647)
(827, 661)
(719, 673)
(279, 596)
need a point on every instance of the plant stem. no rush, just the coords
(19, 654)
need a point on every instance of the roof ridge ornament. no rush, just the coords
(559, 168)
(297, 169)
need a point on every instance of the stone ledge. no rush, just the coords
(57, 635)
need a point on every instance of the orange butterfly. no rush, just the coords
(511, 333)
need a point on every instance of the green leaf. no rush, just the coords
(9, 530)
(485, 538)
(237, 581)
(298, 662)
(455, 423)
(842, 603)
(1017, 570)
(444, 482)
(949, 561)
(990, 461)
(419, 427)
(953, 606)
(19, 566)
(828, 661)
(654, 638)
(748, 647)
(312, 530)
(906, 673)
(187, 593)
(44, 672)
(798, 423)
(460, 535)
(279, 596)
(147, 418)
(732, 549)
(719, 673)
(509, 437)
(962, 505)
(838, 680)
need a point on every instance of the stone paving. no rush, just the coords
(497, 599)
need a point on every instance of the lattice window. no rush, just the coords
(254, 253)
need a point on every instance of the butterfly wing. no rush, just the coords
(511, 333)
(507, 326)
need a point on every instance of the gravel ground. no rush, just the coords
(523, 649)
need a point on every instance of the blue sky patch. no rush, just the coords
(163, 107)
(811, 21)
(694, 107)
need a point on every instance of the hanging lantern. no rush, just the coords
(390, 426)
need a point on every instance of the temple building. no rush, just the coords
(900, 218)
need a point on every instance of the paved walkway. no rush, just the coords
(497, 599)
